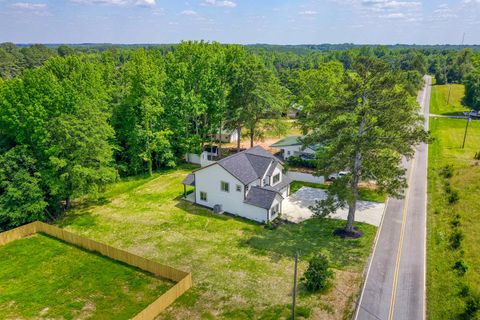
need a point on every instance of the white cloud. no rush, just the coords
(158, 12)
(219, 3)
(443, 12)
(140, 3)
(397, 15)
(39, 9)
(189, 13)
(145, 3)
(308, 13)
(29, 6)
(390, 4)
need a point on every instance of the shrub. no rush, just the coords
(472, 308)
(456, 239)
(477, 156)
(456, 221)
(460, 267)
(318, 275)
(299, 162)
(447, 187)
(447, 171)
(464, 290)
(453, 197)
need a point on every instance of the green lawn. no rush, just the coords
(440, 103)
(445, 286)
(241, 270)
(366, 194)
(42, 277)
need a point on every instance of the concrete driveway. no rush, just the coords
(296, 207)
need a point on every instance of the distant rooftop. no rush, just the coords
(287, 142)
(293, 141)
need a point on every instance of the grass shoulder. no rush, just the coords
(453, 265)
(446, 100)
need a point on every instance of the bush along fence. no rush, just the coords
(183, 280)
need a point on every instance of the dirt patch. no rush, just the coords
(339, 302)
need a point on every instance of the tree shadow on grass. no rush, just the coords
(313, 236)
(82, 218)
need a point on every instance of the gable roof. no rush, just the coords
(291, 141)
(261, 197)
(189, 180)
(287, 142)
(249, 165)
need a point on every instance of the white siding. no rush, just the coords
(275, 202)
(277, 170)
(295, 151)
(209, 180)
(201, 159)
(290, 151)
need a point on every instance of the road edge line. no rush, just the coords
(377, 236)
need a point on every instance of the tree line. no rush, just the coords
(78, 122)
(72, 121)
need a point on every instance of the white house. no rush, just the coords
(249, 184)
(293, 146)
(227, 136)
(294, 111)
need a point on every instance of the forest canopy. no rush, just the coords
(74, 119)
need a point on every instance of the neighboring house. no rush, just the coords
(227, 136)
(249, 184)
(294, 111)
(292, 146)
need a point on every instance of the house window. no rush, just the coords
(276, 178)
(239, 188)
(225, 186)
(203, 196)
(288, 152)
(265, 181)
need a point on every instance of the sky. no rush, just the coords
(241, 21)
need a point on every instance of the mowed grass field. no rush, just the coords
(241, 270)
(447, 288)
(44, 278)
(441, 103)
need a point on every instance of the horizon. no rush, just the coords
(243, 44)
(273, 22)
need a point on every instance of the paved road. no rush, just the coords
(395, 282)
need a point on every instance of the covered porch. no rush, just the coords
(188, 193)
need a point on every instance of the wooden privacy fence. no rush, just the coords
(183, 280)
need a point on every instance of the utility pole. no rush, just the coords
(449, 91)
(294, 293)
(466, 129)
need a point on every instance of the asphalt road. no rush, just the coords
(395, 281)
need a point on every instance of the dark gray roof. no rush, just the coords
(189, 180)
(282, 184)
(249, 165)
(271, 170)
(261, 197)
